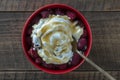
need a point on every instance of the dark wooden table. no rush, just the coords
(104, 19)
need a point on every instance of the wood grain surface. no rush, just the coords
(103, 17)
(35, 75)
(82, 5)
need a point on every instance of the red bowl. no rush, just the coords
(29, 23)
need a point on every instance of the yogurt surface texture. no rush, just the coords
(52, 38)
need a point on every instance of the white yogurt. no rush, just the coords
(52, 37)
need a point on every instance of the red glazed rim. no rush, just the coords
(80, 16)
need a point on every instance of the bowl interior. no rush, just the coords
(35, 17)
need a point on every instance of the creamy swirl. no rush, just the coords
(52, 38)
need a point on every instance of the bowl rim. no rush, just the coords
(83, 20)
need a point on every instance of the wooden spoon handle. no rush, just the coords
(96, 66)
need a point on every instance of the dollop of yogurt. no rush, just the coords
(52, 38)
